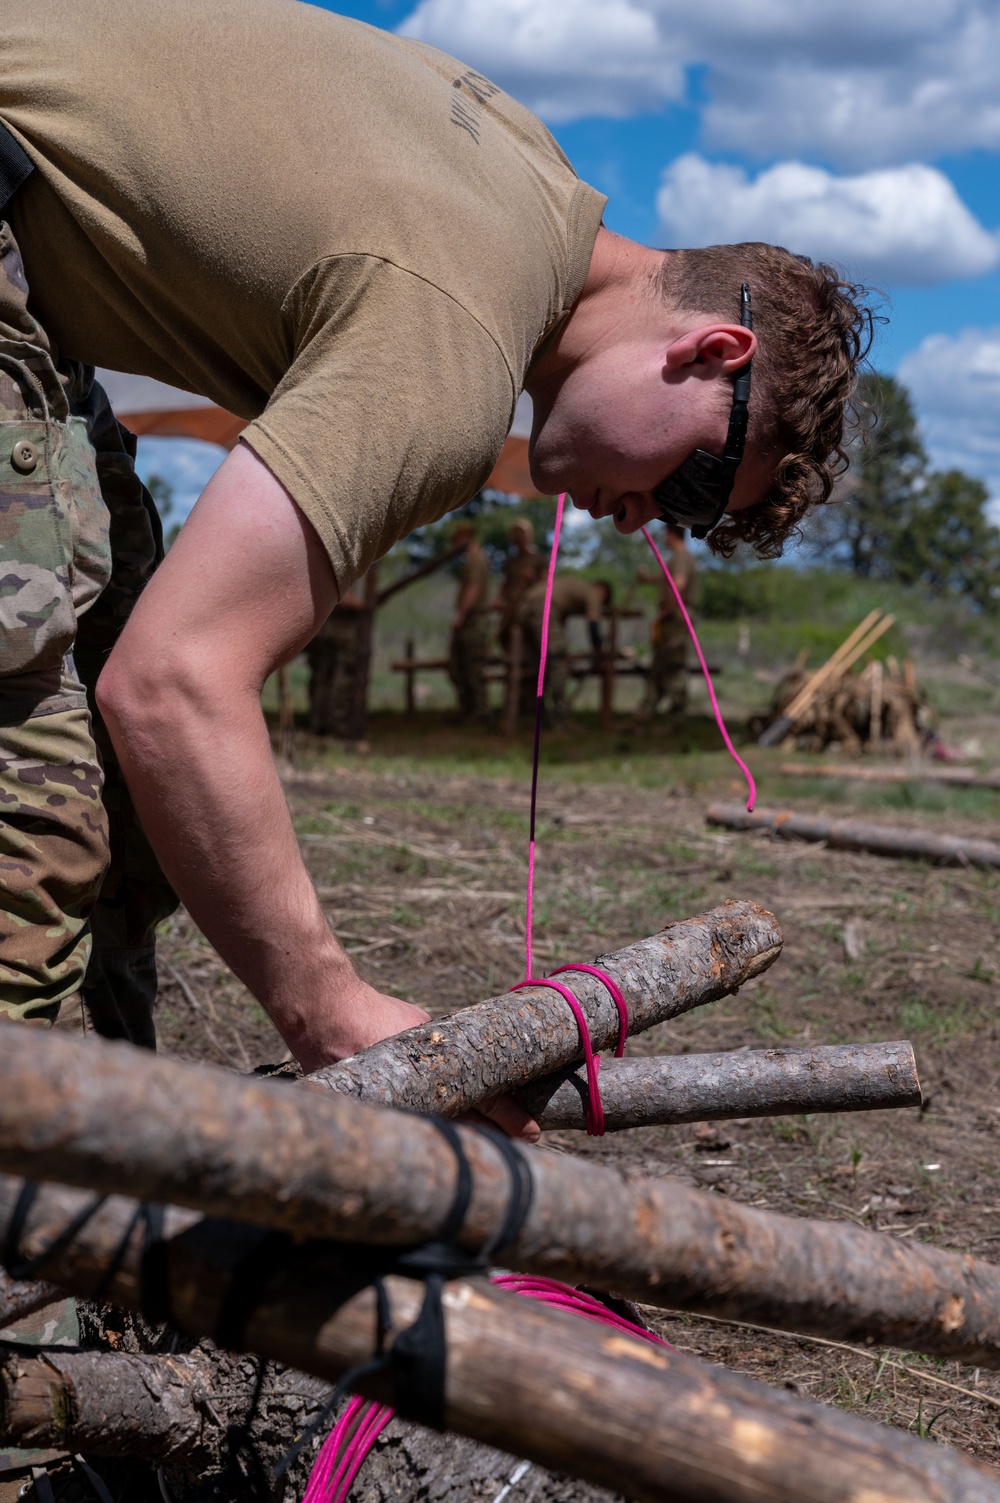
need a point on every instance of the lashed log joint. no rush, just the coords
(712, 1087)
(452, 1064)
(666, 1424)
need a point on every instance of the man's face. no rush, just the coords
(621, 421)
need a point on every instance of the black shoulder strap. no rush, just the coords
(15, 166)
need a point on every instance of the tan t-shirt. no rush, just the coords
(346, 236)
(685, 576)
(572, 595)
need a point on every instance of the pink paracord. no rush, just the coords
(730, 748)
(539, 703)
(363, 1421)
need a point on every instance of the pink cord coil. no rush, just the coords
(350, 1442)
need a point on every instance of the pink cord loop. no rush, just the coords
(616, 996)
(595, 1111)
(730, 748)
(349, 1443)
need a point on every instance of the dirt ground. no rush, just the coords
(421, 868)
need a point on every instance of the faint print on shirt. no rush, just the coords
(466, 112)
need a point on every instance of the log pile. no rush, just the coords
(337, 1169)
(877, 708)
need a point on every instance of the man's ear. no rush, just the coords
(710, 350)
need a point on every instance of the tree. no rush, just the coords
(898, 520)
(888, 464)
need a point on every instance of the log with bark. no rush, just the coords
(20, 1298)
(171, 1411)
(555, 1389)
(321, 1165)
(960, 777)
(452, 1064)
(713, 1087)
(855, 835)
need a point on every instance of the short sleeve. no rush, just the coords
(392, 412)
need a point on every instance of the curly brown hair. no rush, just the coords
(813, 330)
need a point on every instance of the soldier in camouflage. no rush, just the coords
(80, 889)
(469, 650)
(572, 595)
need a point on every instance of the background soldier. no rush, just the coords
(572, 595)
(333, 661)
(668, 669)
(523, 568)
(470, 627)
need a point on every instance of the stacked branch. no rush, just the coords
(451, 1065)
(666, 1424)
(858, 835)
(322, 1166)
(878, 708)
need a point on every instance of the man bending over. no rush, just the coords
(368, 250)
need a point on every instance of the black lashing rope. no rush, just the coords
(417, 1357)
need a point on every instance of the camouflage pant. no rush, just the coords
(80, 889)
(467, 661)
(667, 676)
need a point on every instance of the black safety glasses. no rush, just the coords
(697, 493)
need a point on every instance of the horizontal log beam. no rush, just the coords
(856, 835)
(20, 1298)
(453, 1064)
(609, 1408)
(665, 1089)
(320, 1165)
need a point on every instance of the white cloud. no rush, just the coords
(902, 224)
(862, 83)
(562, 58)
(955, 384)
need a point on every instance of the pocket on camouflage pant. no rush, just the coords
(37, 617)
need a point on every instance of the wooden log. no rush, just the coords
(713, 1087)
(110, 1404)
(450, 1065)
(20, 1298)
(855, 835)
(319, 1165)
(609, 1408)
(960, 777)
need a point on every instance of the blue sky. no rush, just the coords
(867, 133)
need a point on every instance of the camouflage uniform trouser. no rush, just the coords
(667, 675)
(333, 661)
(80, 890)
(467, 662)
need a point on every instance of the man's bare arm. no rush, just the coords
(244, 587)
